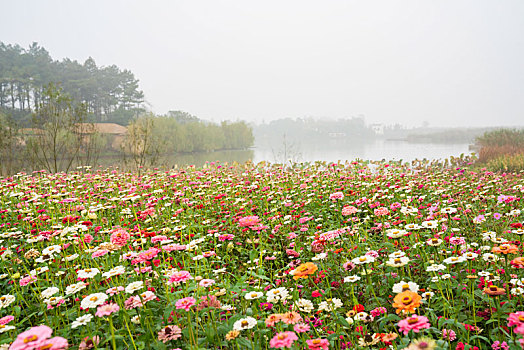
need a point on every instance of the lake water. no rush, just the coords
(331, 151)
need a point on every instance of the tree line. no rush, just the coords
(109, 93)
(61, 137)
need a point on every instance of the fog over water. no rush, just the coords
(448, 62)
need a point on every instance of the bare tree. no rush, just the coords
(11, 145)
(289, 152)
(141, 147)
(60, 134)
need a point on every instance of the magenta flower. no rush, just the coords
(414, 323)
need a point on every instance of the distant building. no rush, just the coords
(114, 133)
(378, 128)
(337, 135)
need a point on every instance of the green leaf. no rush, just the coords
(244, 343)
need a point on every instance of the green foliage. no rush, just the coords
(107, 92)
(183, 133)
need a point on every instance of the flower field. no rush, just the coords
(323, 256)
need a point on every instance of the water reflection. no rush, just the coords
(335, 150)
(331, 151)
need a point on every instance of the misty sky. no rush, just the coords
(447, 62)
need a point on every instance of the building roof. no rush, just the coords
(108, 128)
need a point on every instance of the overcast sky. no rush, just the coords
(447, 62)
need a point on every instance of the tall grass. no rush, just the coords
(502, 150)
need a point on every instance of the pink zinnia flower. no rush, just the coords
(317, 344)
(148, 296)
(27, 280)
(283, 340)
(6, 319)
(206, 282)
(249, 221)
(226, 237)
(378, 311)
(272, 319)
(336, 195)
(99, 253)
(169, 333)
(149, 254)
(185, 303)
(414, 323)
(381, 211)
(106, 310)
(89, 343)
(180, 276)
(32, 338)
(133, 302)
(517, 319)
(55, 343)
(114, 290)
(301, 328)
(158, 239)
(348, 210)
(448, 334)
(120, 237)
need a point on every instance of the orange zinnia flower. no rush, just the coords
(505, 249)
(304, 270)
(406, 301)
(493, 290)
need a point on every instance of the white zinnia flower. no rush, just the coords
(93, 300)
(277, 294)
(454, 260)
(330, 304)
(304, 305)
(430, 224)
(82, 320)
(351, 279)
(244, 323)
(74, 288)
(396, 233)
(253, 295)
(134, 286)
(435, 268)
(364, 259)
(88, 273)
(403, 286)
(6, 300)
(398, 262)
(54, 249)
(49, 292)
(115, 271)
